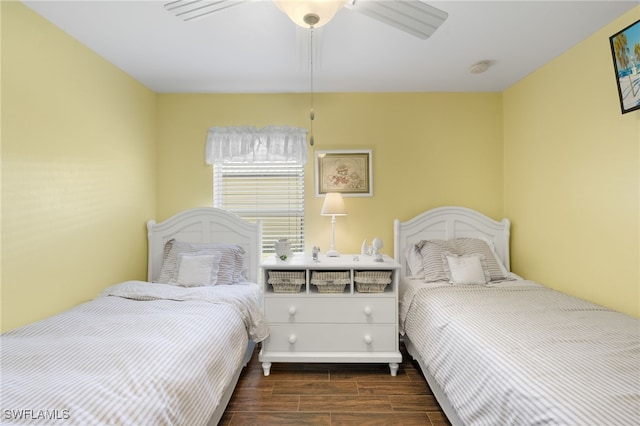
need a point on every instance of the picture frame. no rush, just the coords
(349, 172)
(625, 51)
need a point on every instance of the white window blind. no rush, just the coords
(270, 191)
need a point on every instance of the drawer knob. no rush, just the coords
(292, 311)
(292, 339)
(368, 339)
(368, 311)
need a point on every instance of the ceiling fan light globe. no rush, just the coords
(303, 12)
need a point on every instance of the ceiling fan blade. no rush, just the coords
(412, 16)
(192, 9)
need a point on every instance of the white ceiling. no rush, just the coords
(255, 48)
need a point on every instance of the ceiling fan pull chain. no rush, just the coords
(312, 114)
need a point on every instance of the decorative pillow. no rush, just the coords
(477, 246)
(432, 252)
(232, 260)
(466, 269)
(198, 270)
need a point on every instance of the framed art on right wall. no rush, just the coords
(625, 50)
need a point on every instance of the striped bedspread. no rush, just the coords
(140, 354)
(522, 354)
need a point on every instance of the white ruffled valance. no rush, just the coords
(248, 144)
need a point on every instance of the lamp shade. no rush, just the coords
(333, 205)
(322, 10)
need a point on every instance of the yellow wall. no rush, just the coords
(78, 170)
(572, 183)
(428, 150)
(0, 168)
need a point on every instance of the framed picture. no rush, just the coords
(625, 49)
(348, 172)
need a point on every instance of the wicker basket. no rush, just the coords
(330, 282)
(286, 281)
(372, 281)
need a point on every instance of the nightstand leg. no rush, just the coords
(394, 368)
(266, 368)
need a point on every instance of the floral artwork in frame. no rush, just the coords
(348, 172)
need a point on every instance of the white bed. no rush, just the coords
(147, 352)
(510, 351)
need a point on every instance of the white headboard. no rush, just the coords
(445, 223)
(205, 225)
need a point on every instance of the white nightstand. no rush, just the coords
(355, 320)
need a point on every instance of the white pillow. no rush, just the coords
(198, 270)
(467, 269)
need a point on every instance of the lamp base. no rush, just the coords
(332, 253)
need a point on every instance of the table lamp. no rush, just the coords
(333, 206)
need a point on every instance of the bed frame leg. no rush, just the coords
(266, 368)
(393, 366)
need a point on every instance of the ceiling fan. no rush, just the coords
(411, 16)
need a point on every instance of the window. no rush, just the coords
(259, 174)
(270, 191)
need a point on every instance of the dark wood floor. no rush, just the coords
(332, 395)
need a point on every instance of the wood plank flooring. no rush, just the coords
(333, 395)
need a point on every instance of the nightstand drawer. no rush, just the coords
(331, 338)
(360, 310)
